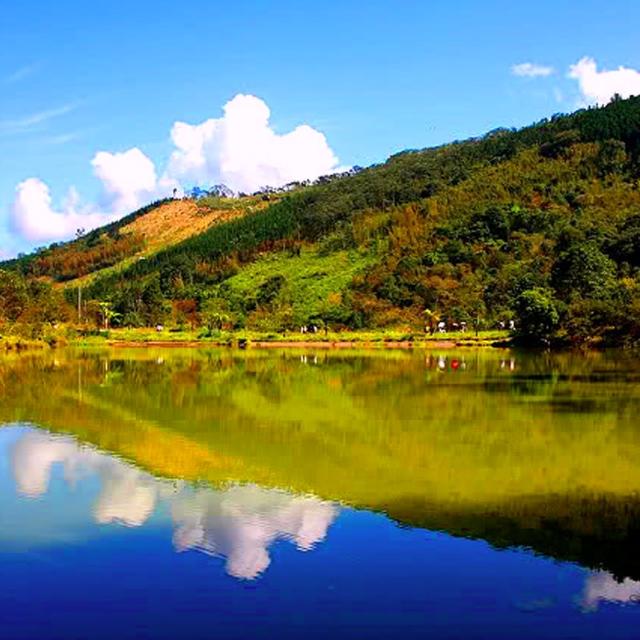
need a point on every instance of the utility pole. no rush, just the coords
(79, 234)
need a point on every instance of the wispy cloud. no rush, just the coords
(34, 120)
(531, 70)
(63, 138)
(22, 72)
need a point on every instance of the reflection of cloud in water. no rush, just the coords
(35, 454)
(602, 586)
(243, 521)
(127, 495)
(239, 523)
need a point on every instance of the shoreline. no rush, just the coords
(307, 344)
(188, 340)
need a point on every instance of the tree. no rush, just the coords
(584, 271)
(431, 319)
(154, 302)
(14, 296)
(537, 315)
(108, 314)
(215, 321)
(612, 157)
(625, 246)
(186, 311)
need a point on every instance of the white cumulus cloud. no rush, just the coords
(600, 86)
(531, 70)
(239, 149)
(128, 178)
(128, 181)
(35, 219)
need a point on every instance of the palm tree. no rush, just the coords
(108, 314)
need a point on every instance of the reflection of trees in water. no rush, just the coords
(499, 449)
(175, 381)
(598, 531)
(238, 523)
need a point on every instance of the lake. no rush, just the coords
(175, 493)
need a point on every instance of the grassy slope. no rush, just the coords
(163, 226)
(309, 279)
(173, 222)
(155, 228)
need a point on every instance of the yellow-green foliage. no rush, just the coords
(365, 429)
(310, 287)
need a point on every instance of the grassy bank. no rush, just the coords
(373, 339)
(16, 343)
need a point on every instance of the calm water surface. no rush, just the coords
(200, 494)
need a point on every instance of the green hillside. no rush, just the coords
(539, 225)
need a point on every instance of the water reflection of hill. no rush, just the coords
(597, 531)
(541, 451)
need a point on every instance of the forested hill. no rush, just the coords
(540, 225)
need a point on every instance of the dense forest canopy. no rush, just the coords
(538, 226)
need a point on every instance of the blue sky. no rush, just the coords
(80, 78)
